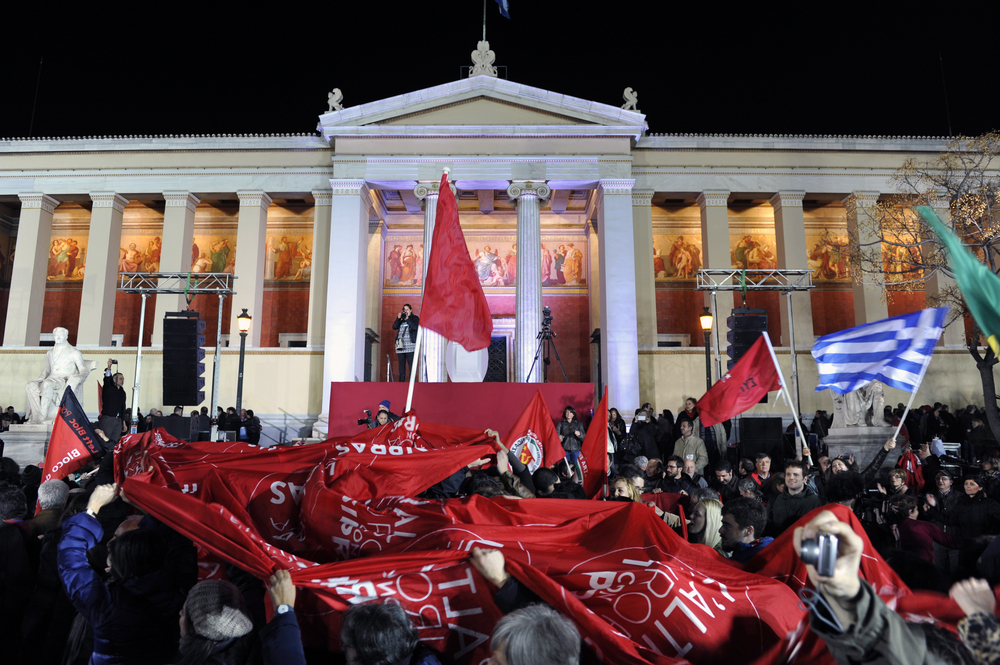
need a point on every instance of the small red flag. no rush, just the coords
(594, 451)
(72, 443)
(454, 304)
(750, 379)
(533, 437)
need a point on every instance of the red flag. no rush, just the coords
(454, 304)
(750, 379)
(533, 437)
(594, 451)
(72, 442)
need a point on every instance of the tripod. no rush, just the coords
(546, 338)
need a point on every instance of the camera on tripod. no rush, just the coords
(547, 318)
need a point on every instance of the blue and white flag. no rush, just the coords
(504, 8)
(896, 351)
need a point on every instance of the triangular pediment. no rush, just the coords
(481, 104)
(483, 111)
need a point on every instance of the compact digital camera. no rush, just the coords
(820, 553)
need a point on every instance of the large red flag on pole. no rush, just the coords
(72, 443)
(454, 304)
(533, 437)
(750, 379)
(594, 451)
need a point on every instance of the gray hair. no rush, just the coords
(53, 494)
(641, 461)
(537, 635)
(704, 493)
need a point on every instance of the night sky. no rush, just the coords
(806, 68)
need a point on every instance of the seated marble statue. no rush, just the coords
(860, 408)
(65, 366)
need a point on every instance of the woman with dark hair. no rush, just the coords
(571, 433)
(975, 517)
(846, 463)
(215, 625)
(134, 618)
(688, 414)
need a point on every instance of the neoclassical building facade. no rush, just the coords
(565, 202)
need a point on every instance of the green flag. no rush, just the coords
(980, 287)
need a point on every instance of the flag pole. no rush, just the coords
(784, 389)
(902, 418)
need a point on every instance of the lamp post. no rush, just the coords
(706, 327)
(243, 320)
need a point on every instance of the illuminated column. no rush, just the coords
(344, 345)
(939, 284)
(528, 195)
(434, 345)
(869, 303)
(316, 331)
(715, 255)
(251, 239)
(645, 278)
(97, 304)
(790, 233)
(27, 283)
(619, 331)
(175, 254)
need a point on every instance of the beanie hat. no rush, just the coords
(384, 404)
(216, 611)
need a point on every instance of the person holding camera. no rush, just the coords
(858, 626)
(112, 405)
(406, 325)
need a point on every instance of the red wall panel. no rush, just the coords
(127, 307)
(285, 311)
(677, 313)
(832, 311)
(904, 303)
(62, 309)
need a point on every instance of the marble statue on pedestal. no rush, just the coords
(631, 99)
(333, 99)
(65, 367)
(860, 408)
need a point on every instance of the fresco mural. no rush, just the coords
(139, 252)
(676, 257)
(563, 260)
(753, 251)
(288, 257)
(827, 256)
(67, 257)
(212, 252)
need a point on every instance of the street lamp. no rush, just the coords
(706, 327)
(243, 320)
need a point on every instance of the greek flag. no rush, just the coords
(504, 7)
(896, 351)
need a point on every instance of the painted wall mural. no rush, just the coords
(753, 251)
(214, 253)
(676, 257)
(827, 256)
(67, 258)
(139, 252)
(288, 257)
(563, 260)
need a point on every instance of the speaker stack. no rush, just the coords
(183, 353)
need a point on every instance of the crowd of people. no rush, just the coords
(87, 578)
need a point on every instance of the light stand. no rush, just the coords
(243, 320)
(706, 328)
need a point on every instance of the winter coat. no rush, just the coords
(17, 578)
(785, 509)
(692, 448)
(973, 516)
(414, 322)
(568, 429)
(134, 620)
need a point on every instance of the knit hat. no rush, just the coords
(216, 611)
(384, 404)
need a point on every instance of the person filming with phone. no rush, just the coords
(406, 324)
(113, 405)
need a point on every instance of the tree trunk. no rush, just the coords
(985, 365)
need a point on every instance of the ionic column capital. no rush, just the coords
(642, 199)
(109, 200)
(37, 200)
(537, 189)
(181, 200)
(861, 199)
(787, 199)
(254, 198)
(322, 197)
(615, 186)
(431, 188)
(713, 198)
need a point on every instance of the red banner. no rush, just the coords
(594, 452)
(72, 443)
(742, 387)
(533, 437)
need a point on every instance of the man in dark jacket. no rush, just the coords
(795, 502)
(113, 405)
(743, 522)
(725, 481)
(17, 575)
(675, 481)
(406, 324)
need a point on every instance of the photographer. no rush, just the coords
(113, 402)
(406, 325)
(856, 624)
(382, 417)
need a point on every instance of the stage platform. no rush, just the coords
(474, 405)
